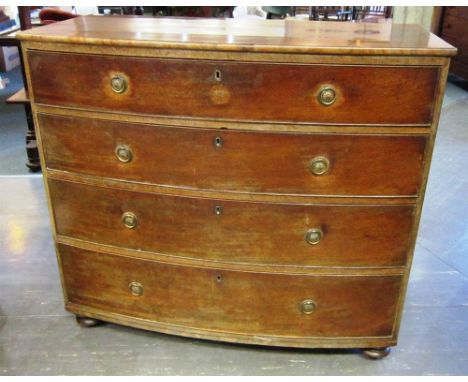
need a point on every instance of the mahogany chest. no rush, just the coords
(247, 181)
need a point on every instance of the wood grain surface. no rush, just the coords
(230, 301)
(247, 161)
(243, 91)
(298, 36)
(242, 232)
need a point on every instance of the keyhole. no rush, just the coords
(218, 278)
(218, 75)
(218, 142)
(218, 210)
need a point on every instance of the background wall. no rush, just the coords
(413, 15)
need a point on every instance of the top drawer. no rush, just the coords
(236, 91)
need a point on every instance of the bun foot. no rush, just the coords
(376, 353)
(87, 322)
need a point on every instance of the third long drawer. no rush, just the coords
(234, 231)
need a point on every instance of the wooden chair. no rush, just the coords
(331, 13)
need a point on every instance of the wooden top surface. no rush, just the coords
(301, 36)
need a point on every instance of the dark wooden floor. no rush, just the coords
(38, 337)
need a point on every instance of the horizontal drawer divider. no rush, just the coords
(169, 328)
(230, 195)
(243, 267)
(403, 59)
(216, 123)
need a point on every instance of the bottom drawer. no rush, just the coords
(227, 301)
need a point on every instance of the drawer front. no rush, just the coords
(245, 91)
(231, 231)
(233, 160)
(230, 301)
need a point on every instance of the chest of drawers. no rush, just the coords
(256, 182)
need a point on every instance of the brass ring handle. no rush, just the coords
(129, 220)
(327, 95)
(123, 153)
(319, 165)
(314, 236)
(308, 306)
(135, 288)
(118, 84)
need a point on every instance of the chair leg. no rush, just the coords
(32, 151)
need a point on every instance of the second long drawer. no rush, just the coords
(234, 231)
(236, 161)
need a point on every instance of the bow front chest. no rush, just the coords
(247, 181)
